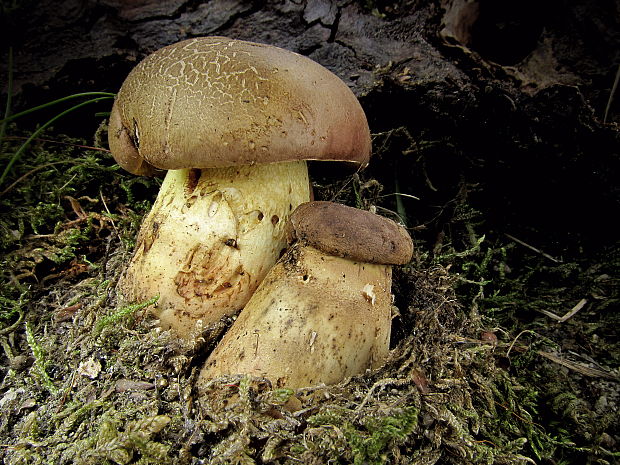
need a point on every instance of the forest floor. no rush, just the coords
(503, 164)
(502, 352)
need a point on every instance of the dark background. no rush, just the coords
(508, 101)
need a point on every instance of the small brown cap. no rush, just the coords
(213, 102)
(351, 233)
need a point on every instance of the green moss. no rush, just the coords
(75, 414)
(374, 443)
(10, 307)
(41, 363)
(132, 444)
(445, 396)
(120, 314)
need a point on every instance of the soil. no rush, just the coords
(495, 141)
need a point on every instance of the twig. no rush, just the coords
(347, 182)
(67, 391)
(32, 171)
(518, 241)
(515, 340)
(11, 328)
(50, 141)
(611, 94)
(108, 211)
(567, 315)
(76, 207)
(9, 96)
(579, 367)
(400, 207)
(516, 415)
(588, 359)
(381, 384)
(409, 196)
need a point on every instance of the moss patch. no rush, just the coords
(479, 372)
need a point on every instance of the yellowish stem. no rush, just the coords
(210, 239)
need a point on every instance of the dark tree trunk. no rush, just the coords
(509, 99)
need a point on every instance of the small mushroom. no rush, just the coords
(324, 310)
(233, 122)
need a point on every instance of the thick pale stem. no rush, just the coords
(210, 239)
(315, 318)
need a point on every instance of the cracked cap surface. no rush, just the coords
(212, 102)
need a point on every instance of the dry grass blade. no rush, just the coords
(531, 247)
(579, 367)
(572, 312)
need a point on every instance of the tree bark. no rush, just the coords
(510, 100)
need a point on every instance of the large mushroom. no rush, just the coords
(324, 310)
(233, 122)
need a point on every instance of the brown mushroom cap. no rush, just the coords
(212, 102)
(351, 233)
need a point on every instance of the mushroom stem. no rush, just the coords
(315, 318)
(210, 238)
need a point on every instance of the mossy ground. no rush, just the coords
(478, 374)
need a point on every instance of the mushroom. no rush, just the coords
(323, 312)
(233, 122)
